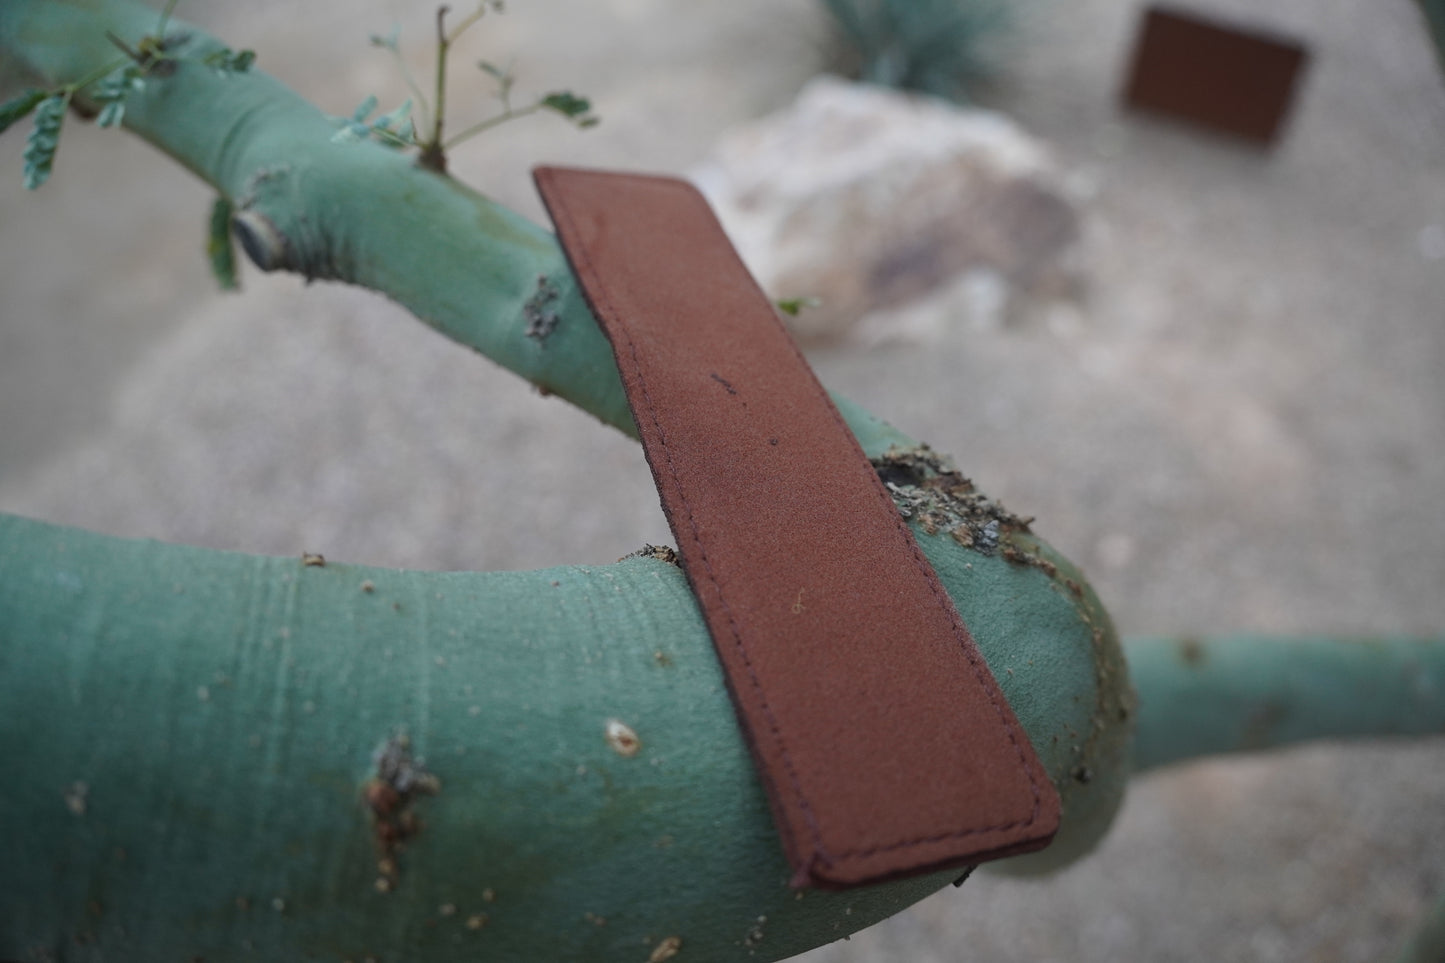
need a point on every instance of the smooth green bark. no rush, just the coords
(195, 728)
(1240, 693)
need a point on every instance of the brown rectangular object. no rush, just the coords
(884, 743)
(1222, 77)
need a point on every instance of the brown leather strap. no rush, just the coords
(884, 743)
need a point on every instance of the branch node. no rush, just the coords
(266, 246)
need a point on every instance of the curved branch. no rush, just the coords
(1242, 693)
(212, 754)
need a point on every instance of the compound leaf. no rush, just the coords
(44, 138)
(394, 118)
(364, 111)
(111, 93)
(111, 114)
(20, 106)
(567, 104)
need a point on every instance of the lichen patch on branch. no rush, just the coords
(929, 490)
(540, 310)
(398, 780)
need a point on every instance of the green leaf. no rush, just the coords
(111, 114)
(119, 84)
(567, 104)
(497, 72)
(354, 129)
(791, 306)
(20, 106)
(44, 138)
(364, 111)
(220, 248)
(394, 118)
(350, 133)
(388, 139)
(110, 94)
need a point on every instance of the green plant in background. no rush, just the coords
(939, 47)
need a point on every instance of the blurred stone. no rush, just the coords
(869, 200)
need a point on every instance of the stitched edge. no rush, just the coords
(960, 632)
(558, 207)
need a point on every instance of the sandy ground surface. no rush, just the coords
(1241, 428)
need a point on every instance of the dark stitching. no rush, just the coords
(960, 632)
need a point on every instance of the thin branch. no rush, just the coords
(165, 18)
(490, 122)
(462, 27)
(433, 153)
(443, 43)
(411, 85)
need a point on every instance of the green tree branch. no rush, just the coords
(1207, 695)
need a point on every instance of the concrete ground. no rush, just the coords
(1240, 428)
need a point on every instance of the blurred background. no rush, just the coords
(1213, 370)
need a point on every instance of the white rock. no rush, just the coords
(870, 199)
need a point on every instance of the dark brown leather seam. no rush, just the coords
(597, 288)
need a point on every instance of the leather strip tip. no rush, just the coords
(802, 877)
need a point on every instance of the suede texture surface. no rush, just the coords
(885, 744)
